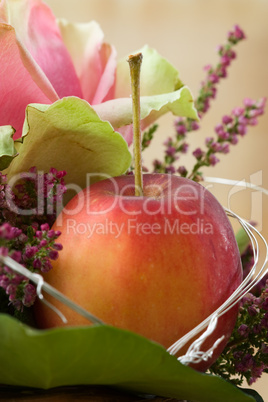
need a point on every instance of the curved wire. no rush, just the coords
(193, 354)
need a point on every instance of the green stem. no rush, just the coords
(135, 68)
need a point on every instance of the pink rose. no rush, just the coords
(42, 61)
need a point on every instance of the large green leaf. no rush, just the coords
(119, 111)
(102, 355)
(69, 135)
(7, 148)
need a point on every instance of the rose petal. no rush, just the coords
(107, 69)
(22, 81)
(94, 61)
(37, 29)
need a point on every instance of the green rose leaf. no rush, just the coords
(119, 111)
(242, 240)
(7, 148)
(69, 135)
(102, 355)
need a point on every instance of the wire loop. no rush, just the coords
(193, 354)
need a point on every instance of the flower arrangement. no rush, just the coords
(60, 100)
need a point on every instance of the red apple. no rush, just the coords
(157, 264)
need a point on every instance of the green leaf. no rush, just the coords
(102, 355)
(119, 111)
(254, 393)
(69, 135)
(242, 240)
(7, 148)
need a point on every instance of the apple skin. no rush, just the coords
(173, 263)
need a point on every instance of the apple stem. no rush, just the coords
(135, 68)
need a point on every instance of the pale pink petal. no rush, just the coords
(107, 70)
(94, 61)
(3, 11)
(37, 29)
(22, 82)
(127, 133)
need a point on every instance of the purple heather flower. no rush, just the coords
(51, 234)
(264, 321)
(264, 305)
(16, 255)
(236, 35)
(257, 329)
(216, 147)
(29, 295)
(168, 142)
(209, 141)
(45, 227)
(227, 119)
(37, 264)
(213, 160)
(225, 60)
(219, 129)
(213, 78)
(224, 136)
(30, 251)
(182, 171)
(57, 246)
(248, 102)
(242, 120)
(234, 139)
(53, 254)
(207, 67)
(198, 153)
(252, 311)
(264, 348)
(181, 129)
(237, 111)
(157, 164)
(194, 125)
(238, 354)
(225, 149)
(184, 148)
(171, 151)
(170, 169)
(43, 243)
(4, 281)
(242, 129)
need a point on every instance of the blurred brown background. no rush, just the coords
(187, 33)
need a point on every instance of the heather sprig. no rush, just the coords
(34, 250)
(25, 230)
(208, 90)
(34, 198)
(147, 136)
(226, 54)
(245, 357)
(227, 132)
(174, 147)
